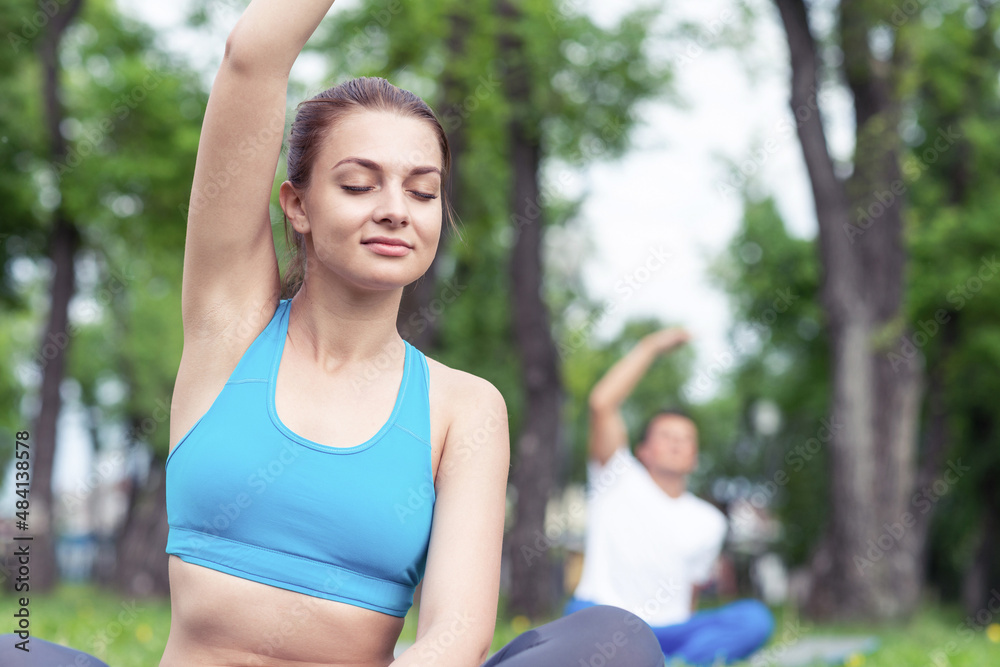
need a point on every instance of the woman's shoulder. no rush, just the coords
(473, 417)
(462, 392)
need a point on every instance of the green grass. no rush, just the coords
(931, 634)
(133, 632)
(123, 632)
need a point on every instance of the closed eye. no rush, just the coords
(357, 188)
(423, 195)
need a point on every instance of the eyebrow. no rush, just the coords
(375, 166)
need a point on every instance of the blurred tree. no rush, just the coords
(777, 364)
(125, 121)
(875, 406)
(954, 299)
(926, 99)
(133, 180)
(22, 232)
(539, 442)
(63, 241)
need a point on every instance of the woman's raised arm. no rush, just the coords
(230, 267)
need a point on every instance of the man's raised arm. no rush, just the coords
(607, 426)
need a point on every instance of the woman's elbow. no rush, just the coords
(243, 57)
(480, 643)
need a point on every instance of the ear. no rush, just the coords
(294, 207)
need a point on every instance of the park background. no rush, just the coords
(809, 187)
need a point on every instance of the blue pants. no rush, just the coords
(599, 636)
(731, 632)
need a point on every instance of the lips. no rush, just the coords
(385, 240)
(388, 247)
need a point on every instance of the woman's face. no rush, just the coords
(372, 210)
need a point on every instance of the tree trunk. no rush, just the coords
(938, 436)
(981, 582)
(867, 565)
(538, 444)
(141, 568)
(64, 240)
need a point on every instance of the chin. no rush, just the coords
(381, 283)
(677, 469)
(392, 281)
(384, 277)
(375, 273)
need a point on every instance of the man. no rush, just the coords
(649, 541)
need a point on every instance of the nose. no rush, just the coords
(391, 207)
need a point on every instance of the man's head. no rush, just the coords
(669, 444)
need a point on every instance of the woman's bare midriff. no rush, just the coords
(218, 620)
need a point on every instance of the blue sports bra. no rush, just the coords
(247, 496)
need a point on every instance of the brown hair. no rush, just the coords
(664, 412)
(316, 117)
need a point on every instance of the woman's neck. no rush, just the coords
(344, 326)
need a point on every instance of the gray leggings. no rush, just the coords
(42, 654)
(599, 636)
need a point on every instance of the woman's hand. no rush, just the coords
(271, 33)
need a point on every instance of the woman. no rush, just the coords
(320, 466)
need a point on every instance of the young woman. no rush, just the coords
(320, 466)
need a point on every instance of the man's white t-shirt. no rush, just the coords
(644, 550)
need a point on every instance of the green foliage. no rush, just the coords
(136, 118)
(21, 141)
(950, 181)
(954, 277)
(781, 359)
(22, 233)
(132, 122)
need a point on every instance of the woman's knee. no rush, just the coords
(601, 617)
(619, 638)
(575, 604)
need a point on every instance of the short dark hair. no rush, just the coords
(665, 412)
